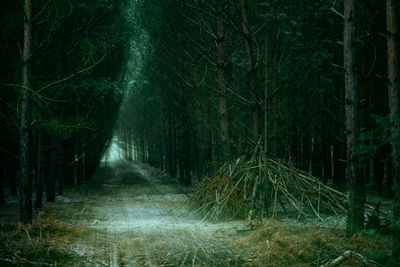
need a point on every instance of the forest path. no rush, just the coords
(132, 215)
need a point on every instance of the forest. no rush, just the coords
(199, 133)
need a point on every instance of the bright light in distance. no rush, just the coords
(113, 153)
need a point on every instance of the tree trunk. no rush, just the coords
(274, 105)
(316, 168)
(355, 216)
(186, 153)
(13, 177)
(268, 185)
(327, 158)
(251, 69)
(2, 179)
(171, 148)
(213, 142)
(80, 162)
(223, 115)
(364, 97)
(392, 11)
(25, 173)
(200, 143)
(76, 163)
(143, 150)
(83, 163)
(306, 150)
(339, 148)
(51, 178)
(39, 174)
(339, 156)
(266, 98)
(69, 163)
(389, 180)
(3, 169)
(379, 170)
(60, 167)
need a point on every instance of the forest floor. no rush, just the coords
(132, 215)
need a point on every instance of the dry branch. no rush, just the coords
(349, 254)
(247, 185)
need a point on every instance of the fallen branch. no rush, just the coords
(248, 184)
(347, 255)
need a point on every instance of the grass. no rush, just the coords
(283, 244)
(39, 243)
(276, 243)
(116, 220)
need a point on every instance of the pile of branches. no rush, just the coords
(260, 187)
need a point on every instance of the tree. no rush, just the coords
(25, 174)
(392, 11)
(223, 114)
(355, 217)
(251, 72)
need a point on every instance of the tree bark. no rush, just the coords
(25, 173)
(2, 179)
(51, 178)
(274, 105)
(266, 97)
(13, 177)
(60, 167)
(339, 155)
(76, 163)
(213, 143)
(316, 168)
(306, 149)
(69, 162)
(389, 180)
(223, 115)
(199, 124)
(379, 170)
(39, 174)
(355, 216)
(251, 69)
(83, 163)
(327, 158)
(392, 10)
(3, 169)
(268, 185)
(170, 149)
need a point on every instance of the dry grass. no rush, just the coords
(285, 244)
(117, 221)
(277, 243)
(40, 243)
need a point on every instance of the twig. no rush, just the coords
(74, 74)
(347, 254)
(25, 261)
(319, 217)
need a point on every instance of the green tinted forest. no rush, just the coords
(257, 109)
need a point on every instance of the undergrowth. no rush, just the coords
(66, 233)
(284, 244)
(41, 243)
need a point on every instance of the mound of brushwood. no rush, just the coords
(260, 187)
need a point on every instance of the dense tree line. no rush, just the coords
(305, 81)
(62, 78)
(314, 83)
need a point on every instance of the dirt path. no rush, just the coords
(131, 215)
